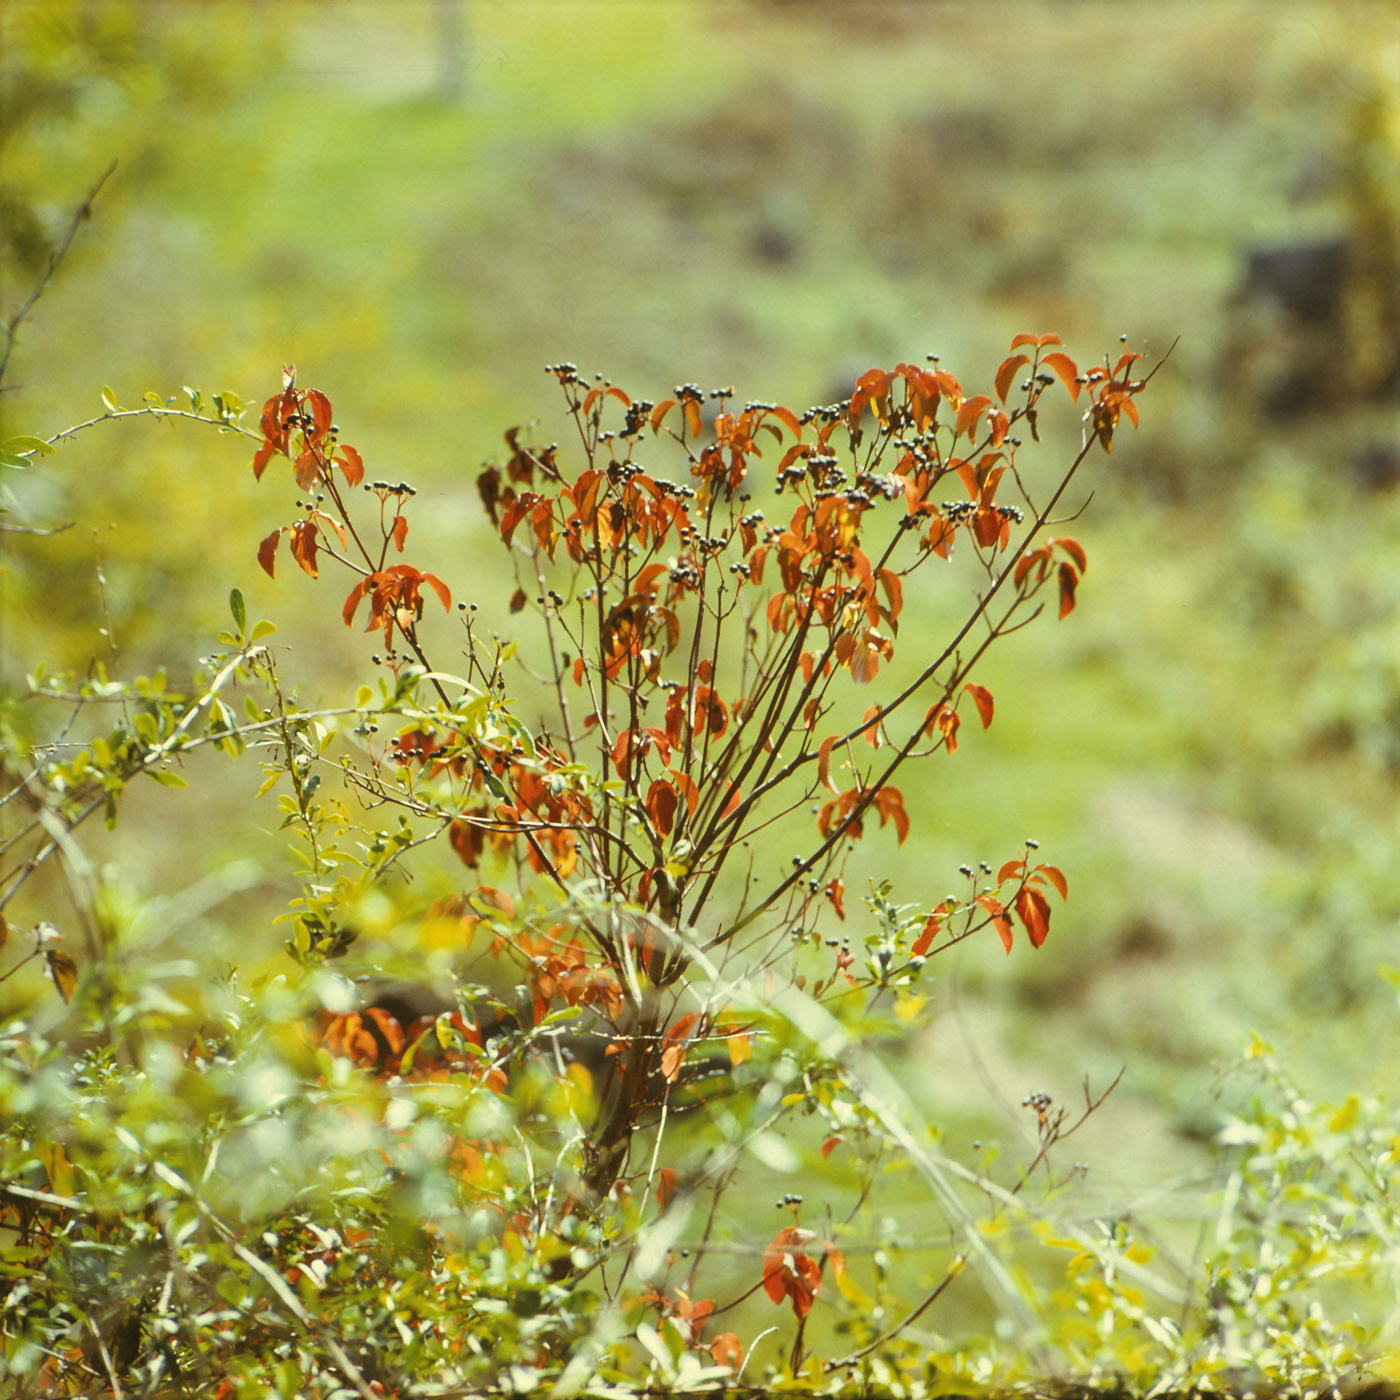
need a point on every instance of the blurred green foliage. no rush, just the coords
(779, 196)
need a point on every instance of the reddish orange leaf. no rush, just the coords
(320, 407)
(1036, 340)
(894, 592)
(790, 1273)
(1033, 909)
(303, 545)
(727, 1350)
(982, 698)
(267, 553)
(1069, 581)
(661, 806)
(871, 733)
(667, 1179)
(889, 801)
(400, 531)
(352, 601)
(1068, 371)
(925, 940)
(1056, 876)
(970, 412)
(440, 588)
(351, 464)
(836, 893)
(831, 1144)
(1006, 372)
(1074, 549)
(1011, 870)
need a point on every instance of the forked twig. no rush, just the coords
(83, 211)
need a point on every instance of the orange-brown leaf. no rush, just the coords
(667, 1179)
(1069, 581)
(727, 1350)
(440, 588)
(303, 545)
(1074, 549)
(267, 553)
(1006, 372)
(1067, 370)
(970, 412)
(400, 531)
(1033, 909)
(352, 465)
(982, 698)
(63, 970)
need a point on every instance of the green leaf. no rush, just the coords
(8, 459)
(27, 443)
(262, 628)
(240, 613)
(166, 778)
(109, 399)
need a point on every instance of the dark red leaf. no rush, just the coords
(267, 553)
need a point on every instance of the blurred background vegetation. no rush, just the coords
(421, 204)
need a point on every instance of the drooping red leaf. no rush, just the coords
(303, 545)
(1067, 370)
(1006, 372)
(924, 941)
(889, 802)
(262, 457)
(872, 733)
(970, 412)
(1000, 922)
(1074, 549)
(836, 893)
(1033, 909)
(400, 531)
(321, 414)
(1056, 876)
(790, 1273)
(440, 588)
(365, 585)
(894, 593)
(667, 1179)
(787, 418)
(982, 698)
(307, 469)
(688, 790)
(1069, 581)
(267, 553)
(661, 805)
(351, 464)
